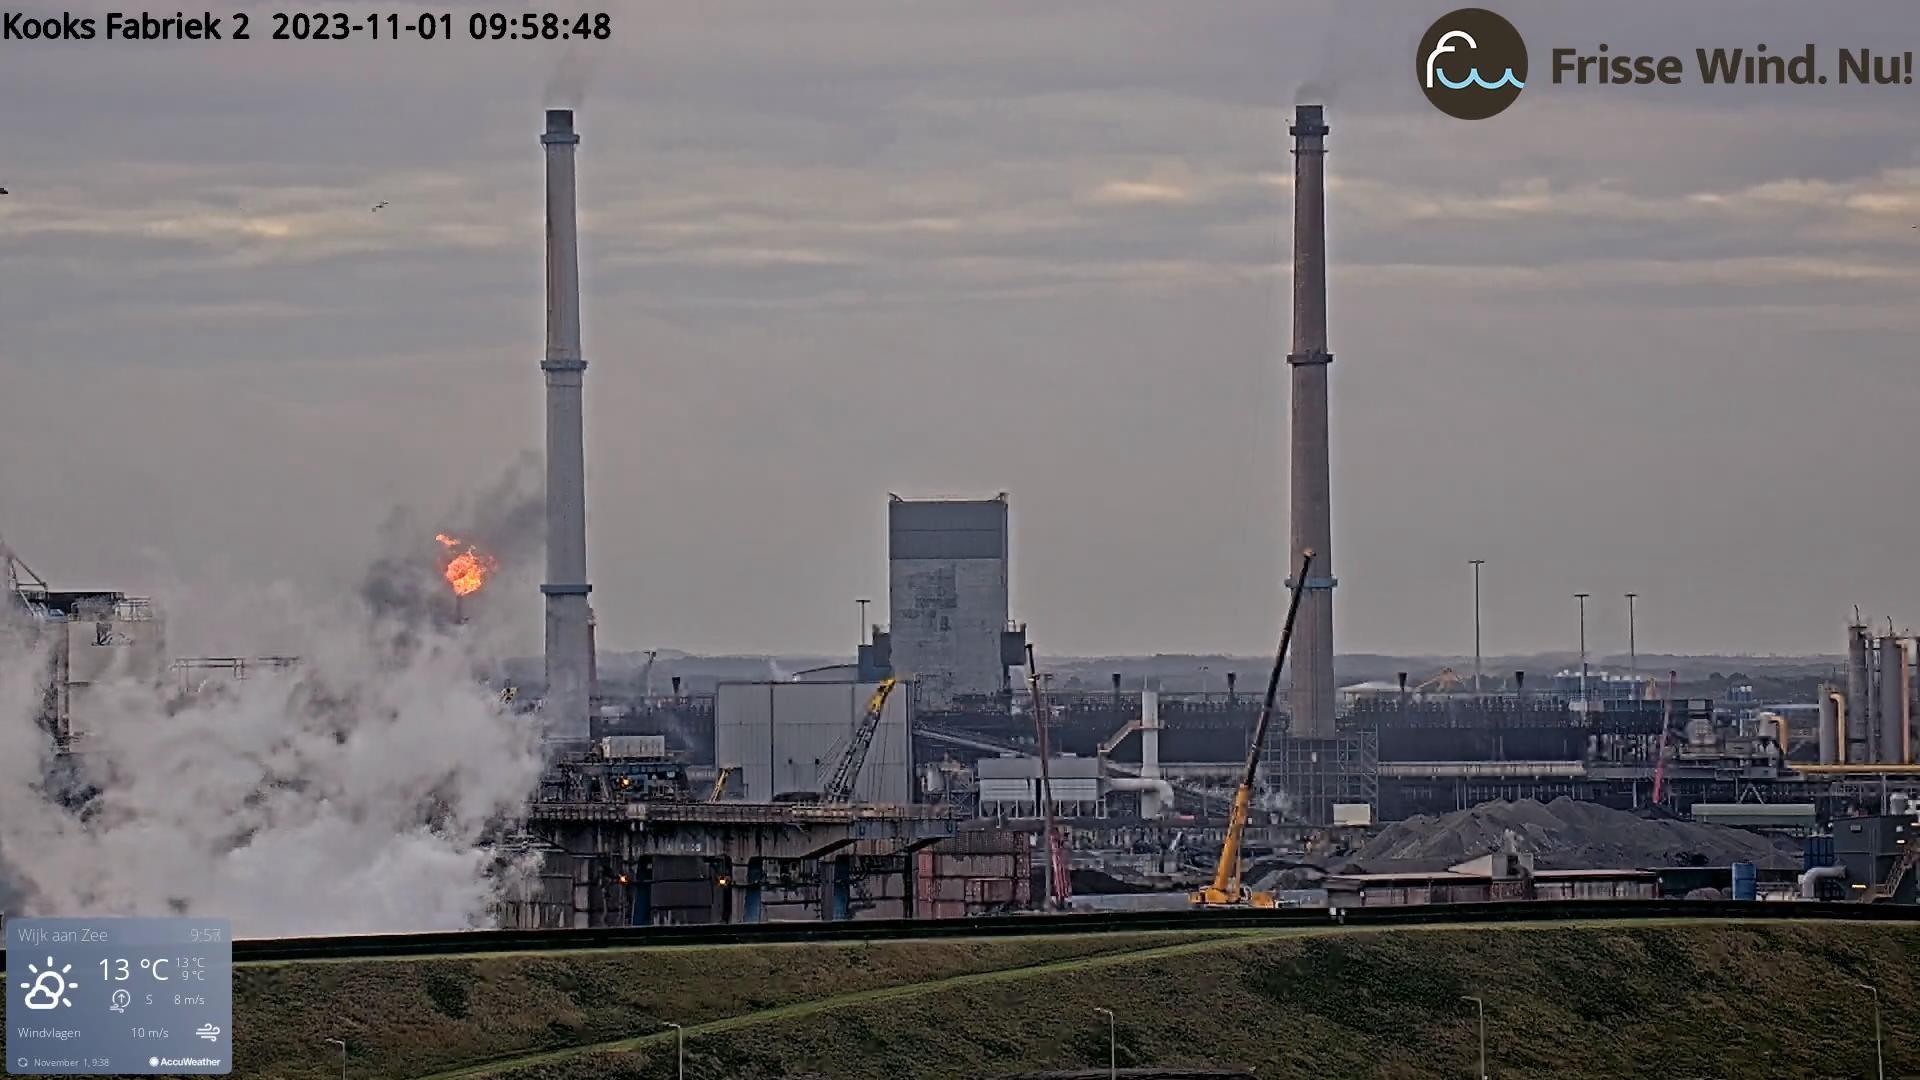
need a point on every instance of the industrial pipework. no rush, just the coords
(569, 639)
(1310, 699)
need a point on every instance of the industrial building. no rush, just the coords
(774, 740)
(1501, 875)
(947, 598)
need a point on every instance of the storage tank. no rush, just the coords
(1743, 881)
(1859, 718)
(1892, 710)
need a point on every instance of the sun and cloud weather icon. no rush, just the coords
(48, 989)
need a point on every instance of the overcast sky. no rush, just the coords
(1617, 338)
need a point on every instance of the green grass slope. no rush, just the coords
(1570, 1001)
(412, 1017)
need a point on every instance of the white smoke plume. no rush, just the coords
(353, 793)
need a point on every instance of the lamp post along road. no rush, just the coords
(1481, 1006)
(1879, 1057)
(679, 1049)
(1582, 597)
(1477, 564)
(1633, 650)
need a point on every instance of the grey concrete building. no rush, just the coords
(947, 597)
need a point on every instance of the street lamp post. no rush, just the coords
(1582, 597)
(1477, 564)
(1482, 1007)
(1113, 1043)
(679, 1049)
(1879, 1058)
(1633, 650)
(342, 1044)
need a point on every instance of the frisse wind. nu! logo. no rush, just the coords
(1472, 64)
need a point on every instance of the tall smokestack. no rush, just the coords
(1310, 699)
(569, 634)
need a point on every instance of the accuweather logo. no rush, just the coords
(1472, 63)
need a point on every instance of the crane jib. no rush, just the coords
(1273, 679)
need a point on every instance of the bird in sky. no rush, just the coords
(377, 207)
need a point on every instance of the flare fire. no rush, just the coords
(467, 571)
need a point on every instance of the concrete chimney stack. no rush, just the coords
(1310, 699)
(569, 631)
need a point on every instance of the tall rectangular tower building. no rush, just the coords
(947, 596)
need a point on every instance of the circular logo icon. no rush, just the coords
(1472, 64)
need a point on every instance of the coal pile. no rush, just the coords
(1566, 835)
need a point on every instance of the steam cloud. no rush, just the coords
(354, 792)
(351, 794)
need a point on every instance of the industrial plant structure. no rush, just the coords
(90, 636)
(832, 797)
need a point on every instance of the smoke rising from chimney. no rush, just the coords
(571, 77)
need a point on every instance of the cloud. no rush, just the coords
(834, 238)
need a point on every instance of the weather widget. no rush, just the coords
(119, 996)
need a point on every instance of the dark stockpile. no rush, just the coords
(1566, 835)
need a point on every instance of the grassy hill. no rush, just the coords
(1572, 1001)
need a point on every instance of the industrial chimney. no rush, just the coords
(569, 633)
(1310, 699)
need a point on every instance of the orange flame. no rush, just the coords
(467, 571)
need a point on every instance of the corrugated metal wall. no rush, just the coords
(787, 737)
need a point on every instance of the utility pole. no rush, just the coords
(341, 1043)
(1633, 650)
(1044, 792)
(1879, 1058)
(1482, 1007)
(1113, 1044)
(1582, 597)
(1477, 564)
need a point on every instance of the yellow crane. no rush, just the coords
(840, 785)
(1227, 889)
